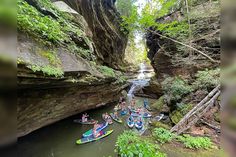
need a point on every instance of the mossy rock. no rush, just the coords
(158, 105)
(217, 116)
(176, 116)
(158, 124)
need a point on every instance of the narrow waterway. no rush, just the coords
(58, 140)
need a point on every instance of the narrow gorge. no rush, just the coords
(79, 57)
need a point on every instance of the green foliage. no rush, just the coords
(131, 145)
(175, 88)
(47, 70)
(195, 142)
(162, 135)
(33, 22)
(107, 71)
(124, 7)
(8, 12)
(175, 29)
(130, 22)
(50, 30)
(207, 79)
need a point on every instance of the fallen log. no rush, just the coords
(210, 125)
(190, 113)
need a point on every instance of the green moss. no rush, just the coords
(178, 114)
(51, 56)
(47, 70)
(158, 105)
(107, 71)
(158, 124)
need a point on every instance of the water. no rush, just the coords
(138, 83)
(58, 140)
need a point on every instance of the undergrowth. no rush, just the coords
(129, 144)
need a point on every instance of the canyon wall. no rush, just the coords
(66, 60)
(169, 58)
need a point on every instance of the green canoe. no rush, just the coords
(91, 138)
(115, 119)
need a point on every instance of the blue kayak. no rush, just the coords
(90, 132)
(145, 115)
(139, 125)
(124, 112)
(130, 122)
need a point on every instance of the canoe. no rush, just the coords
(91, 138)
(138, 126)
(90, 132)
(89, 122)
(130, 123)
(109, 121)
(123, 112)
(118, 120)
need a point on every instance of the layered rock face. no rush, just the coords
(64, 58)
(104, 22)
(169, 58)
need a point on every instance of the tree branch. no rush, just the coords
(202, 53)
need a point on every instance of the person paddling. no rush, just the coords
(85, 117)
(116, 115)
(95, 132)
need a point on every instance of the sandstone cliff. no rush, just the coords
(65, 59)
(171, 59)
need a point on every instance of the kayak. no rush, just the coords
(91, 138)
(117, 108)
(115, 119)
(90, 132)
(147, 115)
(139, 125)
(89, 122)
(109, 121)
(123, 112)
(148, 108)
(135, 114)
(130, 123)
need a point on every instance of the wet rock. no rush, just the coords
(153, 89)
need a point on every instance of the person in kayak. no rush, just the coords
(85, 117)
(116, 115)
(139, 121)
(96, 134)
(131, 118)
(133, 103)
